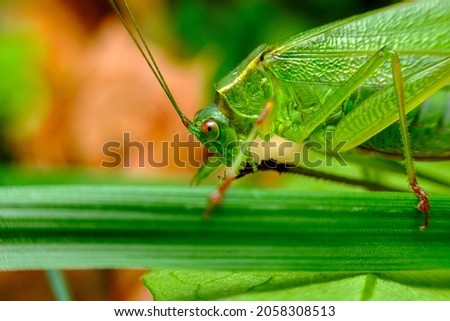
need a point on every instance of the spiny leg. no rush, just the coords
(424, 204)
(216, 197)
(372, 64)
(287, 168)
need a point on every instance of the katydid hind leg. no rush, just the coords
(424, 205)
(374, 63)
(216, 197)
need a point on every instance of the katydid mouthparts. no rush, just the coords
(370, 79)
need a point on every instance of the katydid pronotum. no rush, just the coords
(358, 78)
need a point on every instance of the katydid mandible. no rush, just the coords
(370, 79)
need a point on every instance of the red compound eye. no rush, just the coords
(209, 127)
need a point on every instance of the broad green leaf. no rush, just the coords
(207, 285)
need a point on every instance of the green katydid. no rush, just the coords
(368, 78)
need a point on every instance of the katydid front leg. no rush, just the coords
(216, 197)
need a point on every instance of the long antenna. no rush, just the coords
(127, 18)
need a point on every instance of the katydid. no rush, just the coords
(370, 79)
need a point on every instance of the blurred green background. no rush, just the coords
(71, 80)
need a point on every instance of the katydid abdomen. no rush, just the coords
(429, 129)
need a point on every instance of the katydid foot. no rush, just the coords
(216, 197)
(423, 206)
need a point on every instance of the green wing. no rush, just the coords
(305, 70)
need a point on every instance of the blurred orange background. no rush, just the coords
(98, 86)
(92, 87)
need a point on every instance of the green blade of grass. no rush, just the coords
(65, 227)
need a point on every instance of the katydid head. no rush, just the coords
(212, 128)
